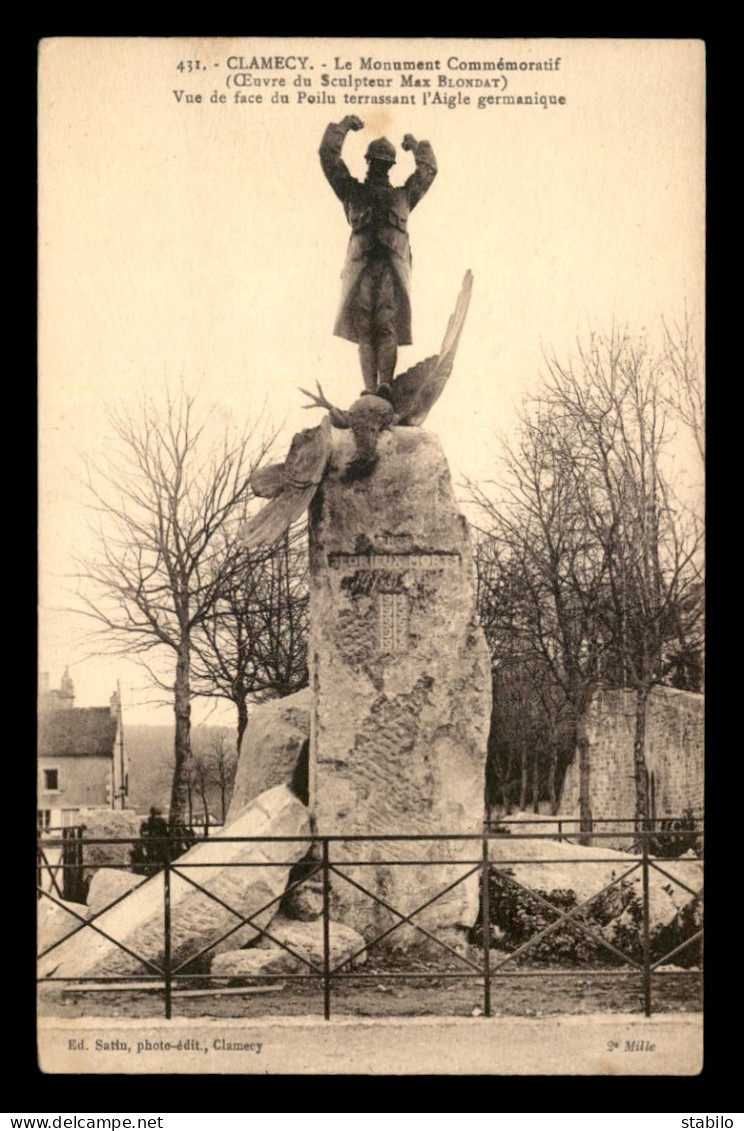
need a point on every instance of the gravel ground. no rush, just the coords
(383, 992)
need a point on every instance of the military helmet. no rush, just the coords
(381, 150)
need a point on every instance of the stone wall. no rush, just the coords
(674, 754)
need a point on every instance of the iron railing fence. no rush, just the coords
(59, 868)
(200, 829)
(327, 860)
(688, 828)
(62, 870)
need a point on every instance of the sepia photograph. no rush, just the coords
(371, 657)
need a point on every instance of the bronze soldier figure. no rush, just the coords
(375, 306)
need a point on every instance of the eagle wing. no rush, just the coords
(415, 392)
(290, 486)
(268, 482)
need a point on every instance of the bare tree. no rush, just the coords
(253, 644)
(201, 778)
(526, 696)
(224, 765)
(189, 787)
(544, 598)
(218, 763)
(685, 391)
(653, 548)
(163, 504)
(599, 572)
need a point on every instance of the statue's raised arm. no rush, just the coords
(331, 162)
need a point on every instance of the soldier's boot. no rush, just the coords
(368, 361)
(387, 356)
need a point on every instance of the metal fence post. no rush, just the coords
(486, 918)
(167, 932)
(326, 935)
(646, 939)
(560, 832)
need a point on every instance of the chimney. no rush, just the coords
(114, 704)
(66, 691)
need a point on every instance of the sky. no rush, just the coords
(197, 242)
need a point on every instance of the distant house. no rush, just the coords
(81, 755)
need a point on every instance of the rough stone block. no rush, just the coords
(244, 876)
(254, 963)
(305, 939)
(304, 903)
(551, 866)
(109, 884)
(270, 748)
(57, 920)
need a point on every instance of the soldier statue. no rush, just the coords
(375, 306)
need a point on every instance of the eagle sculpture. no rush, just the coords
(291, 485)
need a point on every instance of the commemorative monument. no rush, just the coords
(398, 708)
(399, 668)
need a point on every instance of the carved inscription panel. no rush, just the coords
(435, 559)
(388, 579)
(392, 621)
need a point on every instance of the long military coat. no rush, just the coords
(377, 215)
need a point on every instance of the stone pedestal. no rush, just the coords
(400, 674)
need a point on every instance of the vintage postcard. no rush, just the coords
(446, 296)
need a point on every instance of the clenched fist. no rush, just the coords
(409, 142)
(351, 122)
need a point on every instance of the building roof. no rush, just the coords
(77, 732)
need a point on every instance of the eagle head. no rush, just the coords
(368, 417)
